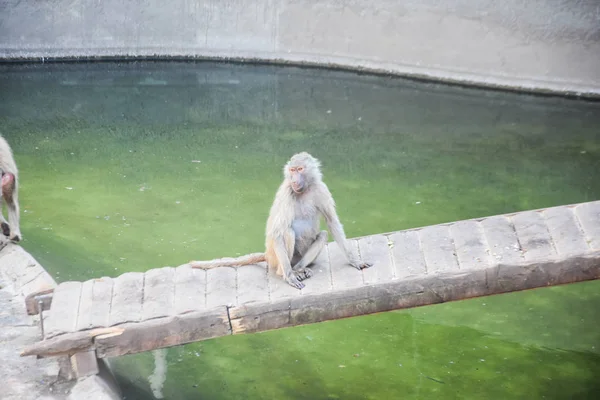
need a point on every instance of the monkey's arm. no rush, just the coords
(283, 258)
(337, 230)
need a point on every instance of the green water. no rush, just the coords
(126, 167)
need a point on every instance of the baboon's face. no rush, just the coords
(298, 179)
(302, 171)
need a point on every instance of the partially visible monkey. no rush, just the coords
(10, 188)
(293, 240)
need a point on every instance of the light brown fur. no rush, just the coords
(293, 240)
(10, 192)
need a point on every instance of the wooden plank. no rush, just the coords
(84, 363)
(164, 332)
(358, 301)
(221, 287)
(65, 307)
(86, 306)
(32, 301)
(471, 248)
(565, 231)
(404, 293)
(502, 240)
(301, 307)
(252, 284)
(438, 249)
(190, 289)
(344, 276)
(127, 297)
(42, 284)
(320, 282)
(407, 254)
(102, 297)
(375, 249)
(533, 235)
(159, 293)
(258, 317)
(588, 215)
(67, 343)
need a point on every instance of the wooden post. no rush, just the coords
(84, 364)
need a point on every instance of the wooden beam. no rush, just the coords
(412, 292)
(164, 332)
(68, 343)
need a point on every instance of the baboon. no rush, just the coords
(10, 186)
(293, 240)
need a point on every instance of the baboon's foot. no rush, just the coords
(5, 229)
(362, 265)
(303, 273)
(293, 280)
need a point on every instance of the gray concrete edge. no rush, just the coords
(102, 386)
(522, 84)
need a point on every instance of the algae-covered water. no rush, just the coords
(127, 167)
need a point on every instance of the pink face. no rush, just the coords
(297, 178)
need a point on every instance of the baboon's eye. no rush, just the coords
(292, 169)
(300, 169)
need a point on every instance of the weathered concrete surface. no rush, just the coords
(97, 387)
(29, 278)
(547, 45)
(24, 379)
(30, 378)
(416, 267)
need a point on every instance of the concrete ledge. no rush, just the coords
(550, 46)
(27, 275)
(25, 278)
(97, 387)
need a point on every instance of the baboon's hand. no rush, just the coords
(362, 265)
(293, 280)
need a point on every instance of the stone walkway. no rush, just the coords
(22, 278)
(170, 306)
(24, 378)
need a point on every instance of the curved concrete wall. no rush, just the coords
(546, 45)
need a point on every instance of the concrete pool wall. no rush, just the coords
(538, 45)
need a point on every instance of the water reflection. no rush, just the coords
(158, 377)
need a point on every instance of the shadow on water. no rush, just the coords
(126, 167)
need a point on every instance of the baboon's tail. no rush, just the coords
(248, 259)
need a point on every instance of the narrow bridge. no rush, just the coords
(164, 307)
